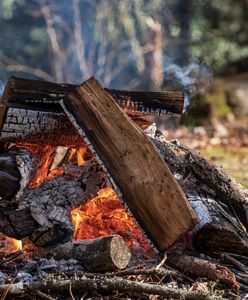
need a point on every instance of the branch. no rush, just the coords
(102, 284)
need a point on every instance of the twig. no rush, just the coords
(44, 296)
(237, 264)
(152, 271)
(162, 261)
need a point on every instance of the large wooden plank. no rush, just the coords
(139, 171)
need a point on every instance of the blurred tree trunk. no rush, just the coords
(152, 77)
(185, 10)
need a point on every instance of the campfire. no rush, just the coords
(88, 187)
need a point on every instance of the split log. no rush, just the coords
(108, 253)
(146, 182)
(101, 284)
(202, 268)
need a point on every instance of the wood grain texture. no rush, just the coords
(146, 182)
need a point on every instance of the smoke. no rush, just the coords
(195, 78)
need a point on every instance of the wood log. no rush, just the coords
(219, 228)
(203, 269)
(108, 253)
(219, 183)
(146, 182)
(9, 176)
(46, 95)
(41, 127)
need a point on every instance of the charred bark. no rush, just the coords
(48, 206)
(214, 195)
(41, 127)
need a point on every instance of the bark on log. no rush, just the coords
(103, 254)
(17, 223)
(9, 176)
(203, 269)
(102, 284)
(146, 182)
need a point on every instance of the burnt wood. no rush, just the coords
(224, 187)
(108, 253)
(41, 127)
(146, 182)
(51, 203)
(42, 214)
(219, 228)
(45, 95)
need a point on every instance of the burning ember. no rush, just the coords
(10, 244)
(100, 216)
(105, 215)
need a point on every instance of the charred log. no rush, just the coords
(17, 223)
(46, 95)
(218, 182)
(41, 127)
(218, 219)
(16, 170)
(48, 206)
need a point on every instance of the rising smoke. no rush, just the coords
(195, 78)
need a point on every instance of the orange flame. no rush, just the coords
(14, 245)
(100, 216)
(106, 215)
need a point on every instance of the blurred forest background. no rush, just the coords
(199, 47)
